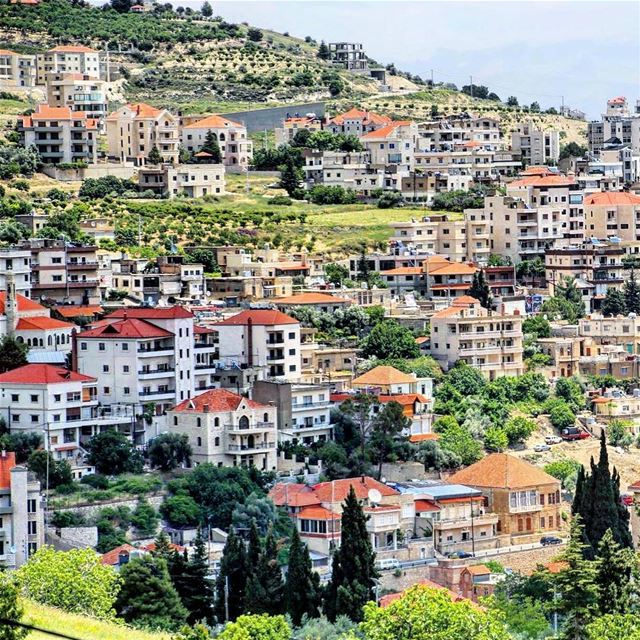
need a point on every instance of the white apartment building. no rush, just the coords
(536, 147)
(468, 159)
(60, 135)
(68, 59)
(133, 130)
(192, 180)
(15, 263)
(304, 409)
(393, 144)
(475, 132)
(79, 92)
(617, 126)
(261, 338)
(486, 340)
(22, 520)
(227, 429)
(235, 146)
(16, 69)
(62, 406)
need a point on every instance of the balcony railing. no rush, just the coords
(257, 446)
(157, 392)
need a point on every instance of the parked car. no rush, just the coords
(541, 447)
(573, 433)
(459, 554)
(553, 439)
(388, 563)
(545, 541)
(626, 499)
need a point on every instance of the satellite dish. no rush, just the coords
(374, 496)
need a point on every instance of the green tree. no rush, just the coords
(206, 9)
(353, 567)
(423, 613)
(50, 473)
(480, 289)
(561, 416)
(525, 618)
(256, 509)
(512, 101)
(169, 451)
(496, 439)
(291, 177)
(265, 589)
(197, 593)
(75, 581)
(572, 150)
(614, 627)
(10, 608)
(632, 293)
(572, 392)
(614, 575)
(231, 580)
(145, 519)
(614, 303)
(112, 453)
(212, 147)
(154, 156)
(323, 51)
(386, 432)
(336, 273)
(254, 35)
(389, 339)
(537, 326)
(13, 354)
(302, 587)
(147, 597)
(459, 441)
(575, 586)
(518, 429)
(181, 511)
(257, 627)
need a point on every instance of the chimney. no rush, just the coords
(205, 408)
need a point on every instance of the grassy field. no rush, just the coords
(80, 627)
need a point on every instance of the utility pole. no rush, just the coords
(432, 84)
(471, 85)
(226, 599)
(562, 107)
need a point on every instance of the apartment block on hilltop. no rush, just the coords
(133, 130)
(235, 146)
(534, 146)
(618, 126)
(79, 92)
(17, 69)
(350, 56)
(446, 134)
(60, 135)
(227, 429)
(68, 59)
(489, 341)
(525, 498)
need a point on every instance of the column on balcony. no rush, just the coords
(395, 539)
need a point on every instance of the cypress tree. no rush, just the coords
(265, 587)
(212, 147)
(290, 177)
(624, 537)
(231, 580)
(576, 586)
(353, 567)
(197, 592)
(632, 293)
(480, 289)
(301, 589)
(614, 567)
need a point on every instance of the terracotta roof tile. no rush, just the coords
(152, 313)
(213, 122)
(452, 269)
(338, 490)
(126, 328)
(293, 495)
(383, 376)
(69, 48)
(502, 471)
(312, 298)
(112, 557)
(402, 271)
(42, 374)
(386, 131)
(73, 311)
(265, 317)
(317, 513)
(356, 114)
(422, 505)
(24, 304)
(422, 437)
(612, 198)
(42, 323)
(7, 462)
(542, 181)
(218, 400)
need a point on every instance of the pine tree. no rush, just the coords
(615, 567)
(480, 289)
(231, 580)
(254, 549)
(624, 537)
(212, 147)
(255, 593)
(353, 566)
(323, 51)
(632, 294)
(197, 592)
(576, 587)
(290, 177)
(271, 576)
(154, 156)
(613, 303)
(163, 548)
(302, 585)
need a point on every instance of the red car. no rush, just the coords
(626, 499)
(573, 433)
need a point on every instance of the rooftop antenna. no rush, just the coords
(375, 497)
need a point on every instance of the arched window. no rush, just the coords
(216, 422)
(216, 441)
(199, 422)
(265, 417)
(243, 423)
(199, 441)
(49, 341)
(222, 137)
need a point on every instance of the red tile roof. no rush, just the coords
(7, 52)
(213, 122)
(24, 304)
(402, 271)
(613, 198)
(421, 437)
(200, 330)
(128, 328)
(338, 490)
(265, 317)
(426, 505)
(151, 547)
(69, 48)
(536, 170)
(293, 495)
(152, 313)
(386, 131)
(404, 398)
(317, 513)
(356, 114)
(42, 374)
(383, 376)
(312, 298)
(617, 100)
(218, 400)
(72, 311)
(542, 181)
(42, 323)
(112, 557)
(452, 269)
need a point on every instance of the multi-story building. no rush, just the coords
(525, 498)
(235, 146)
(227, 429)
(600, 332)
(445, 281)
(68, 59)
(534, 146)
(22, 523)
(618, 126)
(17, 69)
(347, 169)
(304, 409)
(261, 338)
(291, 126)
(62, 406)
(393, 144)
(234, 290)
(356, 122)
(350, 56)
(446, 134)
(133, 130)
(489, 341)
(317, 300)
(598, 263)
(612, 214)
(16, 264)
(79, 92)
(615, 162)
(60, 135)
(192, 180)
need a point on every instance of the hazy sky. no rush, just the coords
(586, 51)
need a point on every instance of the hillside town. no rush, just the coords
(313, 370)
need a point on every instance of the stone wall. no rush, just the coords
(261, 119)
(90, 510)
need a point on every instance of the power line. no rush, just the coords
(31, 627)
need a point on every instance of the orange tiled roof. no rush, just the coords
(293, 495)
(542, 181)
(312, 298)
(42, 374)
(317, 513)
(151, 547)
(464, 301)
(383, 376)
(449, 312)
(126, 328)
(140, 110)
(72, 311)
(404, 398)
(422, 437)
(402, 271)
(258, 317)
(213, 122)
(24, 304)
(112, 557)
(152, 313)
(478, 570)
(422, 505)
(338, 490)
(367, 117)
(218, 400)
(386, 131)
(617, 100)
(453, 269)
(613, 198)
(422, 339)
(42, 323)
(537, 170)
(500, 470)
(70, 48)
(7, 52)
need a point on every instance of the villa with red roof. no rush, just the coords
(356, 122)
(134, 129)
(227, 429)
(393, 144)
(232, 138)
(266, 339)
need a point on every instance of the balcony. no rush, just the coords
(525, 508)
(254, 448)
(82, 265)
(156, 373)
(166, 392)
(256, 427)
(457, 523)
(156, 350)
(310, 405)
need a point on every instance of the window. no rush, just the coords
(292, 335)
(32, 527)
(106, 390)
(216, 422)
(216, 441)
(31, 506)
(56, 417)
(127, 391)
(105, 368)
(15, 417)
(34, 418)
(83, 346)
(199, 441)
(125, 368)
(15, 397)
(125, 346)
(101, 346)
(199, 422)
(34, 397)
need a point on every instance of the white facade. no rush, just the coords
(68, 59)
